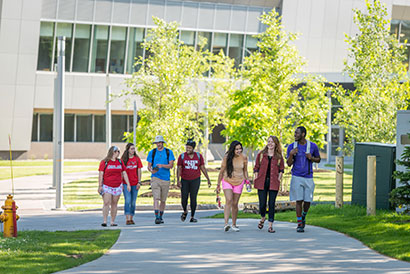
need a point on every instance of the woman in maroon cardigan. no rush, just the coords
(268, 173)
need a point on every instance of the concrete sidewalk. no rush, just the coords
(34, 193)
(176, 247)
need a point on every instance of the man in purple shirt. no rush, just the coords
(301, 154)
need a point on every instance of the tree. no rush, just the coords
(400, 196)
(164, 83)
(273, 100)
(380, 79)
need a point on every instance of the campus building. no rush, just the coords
(103, 37)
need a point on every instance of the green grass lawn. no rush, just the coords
(41, 170)
(387, 232)
(49, 252)
(82, 194)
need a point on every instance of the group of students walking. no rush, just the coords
(117, 175)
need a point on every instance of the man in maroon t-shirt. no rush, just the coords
(190, 164)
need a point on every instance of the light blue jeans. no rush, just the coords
(130, 199)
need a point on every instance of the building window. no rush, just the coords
(220, 42)
(99, 49)
(81, 48)
(208, 37)
(45, 48)
(46, 127)
(64, 29)
(188, 37)
(69, 127)
(135, 48)
(34, 130)
(119, 126)
(217, 137)
(235, 48)
(117, 49)
(99, 128)
(250, 45)
(84, 128)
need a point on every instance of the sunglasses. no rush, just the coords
(116, 151)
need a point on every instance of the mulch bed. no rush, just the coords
(170, 194)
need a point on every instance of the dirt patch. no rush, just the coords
(145, 182)
(321, 170)
(170, 194)
(283, 193)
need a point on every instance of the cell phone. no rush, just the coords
(156, 168)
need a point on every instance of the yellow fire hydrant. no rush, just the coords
(9, 217)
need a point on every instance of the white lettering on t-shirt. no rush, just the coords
(114, 167)
(191, 164)
(131, 166)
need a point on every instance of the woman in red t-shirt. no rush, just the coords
(111, 171)
(190, 165)
(133, 167)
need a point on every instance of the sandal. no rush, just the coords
(114, 225)
(103, 224)
(183, 216)
(260, 225)
(271, 230)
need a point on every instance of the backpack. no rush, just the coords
(197, 153)
(106, 163)
(155, 151)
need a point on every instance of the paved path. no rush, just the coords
(34, 193)
(177, 247)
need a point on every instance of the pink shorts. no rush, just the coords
(235, 189)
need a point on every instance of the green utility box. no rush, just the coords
(385, 156)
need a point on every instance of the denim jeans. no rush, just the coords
(130, 199)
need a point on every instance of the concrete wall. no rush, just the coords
(19, 34)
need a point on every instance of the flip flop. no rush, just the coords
(260, 225)
(271, 230)
(103, 224)
(183, 216)
(114, 225)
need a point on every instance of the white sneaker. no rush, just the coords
(235, 228)
(227, 227)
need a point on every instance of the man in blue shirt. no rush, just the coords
(160, 161)
(301, 154)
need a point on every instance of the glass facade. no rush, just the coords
(135, 48)
(45, 47)
(117, 49)
(235, 48)
(84, 128)
(96, 48)
(81, 48)
(99, 128)
(69, 127)
(64, 29)
(119, 126)
(99, 49)
(46, 127)
(401, 30)
(220, 43)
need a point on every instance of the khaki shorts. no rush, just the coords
(160, 189)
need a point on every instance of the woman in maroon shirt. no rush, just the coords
(268, 173)
(190, 165)
(111, 171)
(133, 167)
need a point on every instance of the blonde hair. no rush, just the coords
(110, 153)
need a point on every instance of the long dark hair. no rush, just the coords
(125, 155)
(229, 157)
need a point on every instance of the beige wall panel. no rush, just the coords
(21, 132)
(43, 97)
(29, 37)
(317, 16)
(31, 10)
(26, 65)
(12, 9)
(9, 35)
(8, 67)
(23, 103)
(327, 52)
